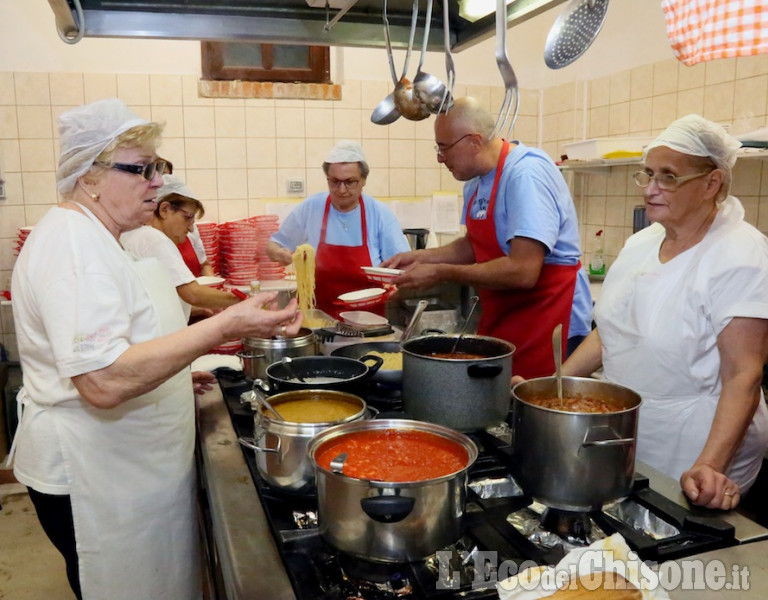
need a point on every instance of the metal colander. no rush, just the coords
(574, 31)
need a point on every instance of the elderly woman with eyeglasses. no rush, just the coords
(348, 229)
(105, 443)
(173, 219)
(683, 319)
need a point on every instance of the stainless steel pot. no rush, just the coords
(464, 394)
(259, 353)
(575, 461)
(281, 446)
(385, 521)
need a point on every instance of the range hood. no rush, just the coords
(315, 22)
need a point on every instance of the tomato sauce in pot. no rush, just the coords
(394, 455)
(577, 404)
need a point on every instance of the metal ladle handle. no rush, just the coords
(414, 320)
(473, 300)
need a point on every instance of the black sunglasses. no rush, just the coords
(147, 171)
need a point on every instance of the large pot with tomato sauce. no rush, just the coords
(391, 490)
(578, 453)
(465, 387)
(280, 446)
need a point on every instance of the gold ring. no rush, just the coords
(283, 329)
(727, 493)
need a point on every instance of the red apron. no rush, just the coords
(190, 256)
(524, 318)
(337, 268)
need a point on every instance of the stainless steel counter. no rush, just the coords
(252, 568)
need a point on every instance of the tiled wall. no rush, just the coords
(234, 153)
(642, 102)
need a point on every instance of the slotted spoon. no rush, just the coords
(574, 31)
(511, 102)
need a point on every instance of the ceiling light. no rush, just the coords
(474, 10)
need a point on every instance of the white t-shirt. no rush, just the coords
(146, 242)
(78, 305)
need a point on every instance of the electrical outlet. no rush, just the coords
(295, 186)
(2, 189)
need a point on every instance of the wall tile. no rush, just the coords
(402, 129)
(483, 94)
(11, 218)
(314, 185)
(750, 66)
(641, 82)
(664, 111)
(200, 153)
(9, 123)
(347, 124)
(351, 95)
(691, 77)
(377, 155)
(402, 182)
(232, 184)
(10, 157)
(133, 89)
(32, 89)
(262, 183)
(190, 92)
(319, 122)
(166, 90)
(172, 117)
(526, 129)
(289, 122)
(7, 89)
(690, 101)
(39, 188)
(37, 155)
(529, 100)
(596, 211)
(718, 102)
(619, 119)
(230, 121)
(261, 153)
(291, 153)
(665, 77)
(173, 149)
(260, 121)
(231, 153)
(372, 93)
(599, 119)
(599, 92)
(566, 127)
(549, 128)
(424, 130)
(427, 181)
(750, 97)
(99, 86)
(232, 210)
(746, 178)
(316, 150)
(14, 189)
(640, 116)
(402, 154)
(369, 130)
(620, 87)
(720, 71)
(199, 121)
(67, 89)
(750, 204)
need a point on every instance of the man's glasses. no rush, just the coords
(187, 215)
(347, 183)
(441, 150)
(147, 171)
(665, 181)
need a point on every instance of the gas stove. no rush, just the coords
(502, 527)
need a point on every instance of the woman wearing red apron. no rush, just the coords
(349, 230)
(521, 251)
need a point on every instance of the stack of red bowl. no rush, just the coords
(210, 237)
(237, 251)
(265, 226)
(21, 238)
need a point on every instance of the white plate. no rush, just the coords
(209, 280)
(359, 295)
(363, 318)
(209, 362)
(383, 271)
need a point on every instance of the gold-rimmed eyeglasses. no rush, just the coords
(441, 150)
(665, 181)
(187, 215)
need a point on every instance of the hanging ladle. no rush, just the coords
(286, 360)
(422, 304)
(386, 112)
(429, 89)
(473, 300)
(406, 100)
(557, 350)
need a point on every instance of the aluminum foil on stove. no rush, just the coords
(640, 518)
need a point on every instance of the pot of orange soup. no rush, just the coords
(281, 446)
(578, 453)
(391, 490)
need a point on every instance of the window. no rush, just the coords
(248, 61)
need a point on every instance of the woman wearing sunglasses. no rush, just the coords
(174, 217)
(106, 438)
(683, 319)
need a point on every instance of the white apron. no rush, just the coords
(655, 344)
(132, 478)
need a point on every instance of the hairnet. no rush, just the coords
(346, 151)
(696, 136)
(84, 132)
(174, 185)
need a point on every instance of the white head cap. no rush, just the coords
(84, 133)
(174, 185)
(346, 151)
(696, 136)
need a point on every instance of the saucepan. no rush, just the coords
(323, 372)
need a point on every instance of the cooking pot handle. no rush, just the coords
(477, 371)
(387, 509)
(603, 435)
(377, 362)
(251, 443)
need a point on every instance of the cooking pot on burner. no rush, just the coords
(259, 353)
(324, 372)
(465, 394)
(281, 446)
(385, 521)
(575, 461)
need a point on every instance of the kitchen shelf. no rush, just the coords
(604, 165)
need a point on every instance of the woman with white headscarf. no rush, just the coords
(348, 229)
(683, 319)
(106, 438)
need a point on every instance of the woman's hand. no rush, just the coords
(709, 488)
(253, 318)
(202, 381)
